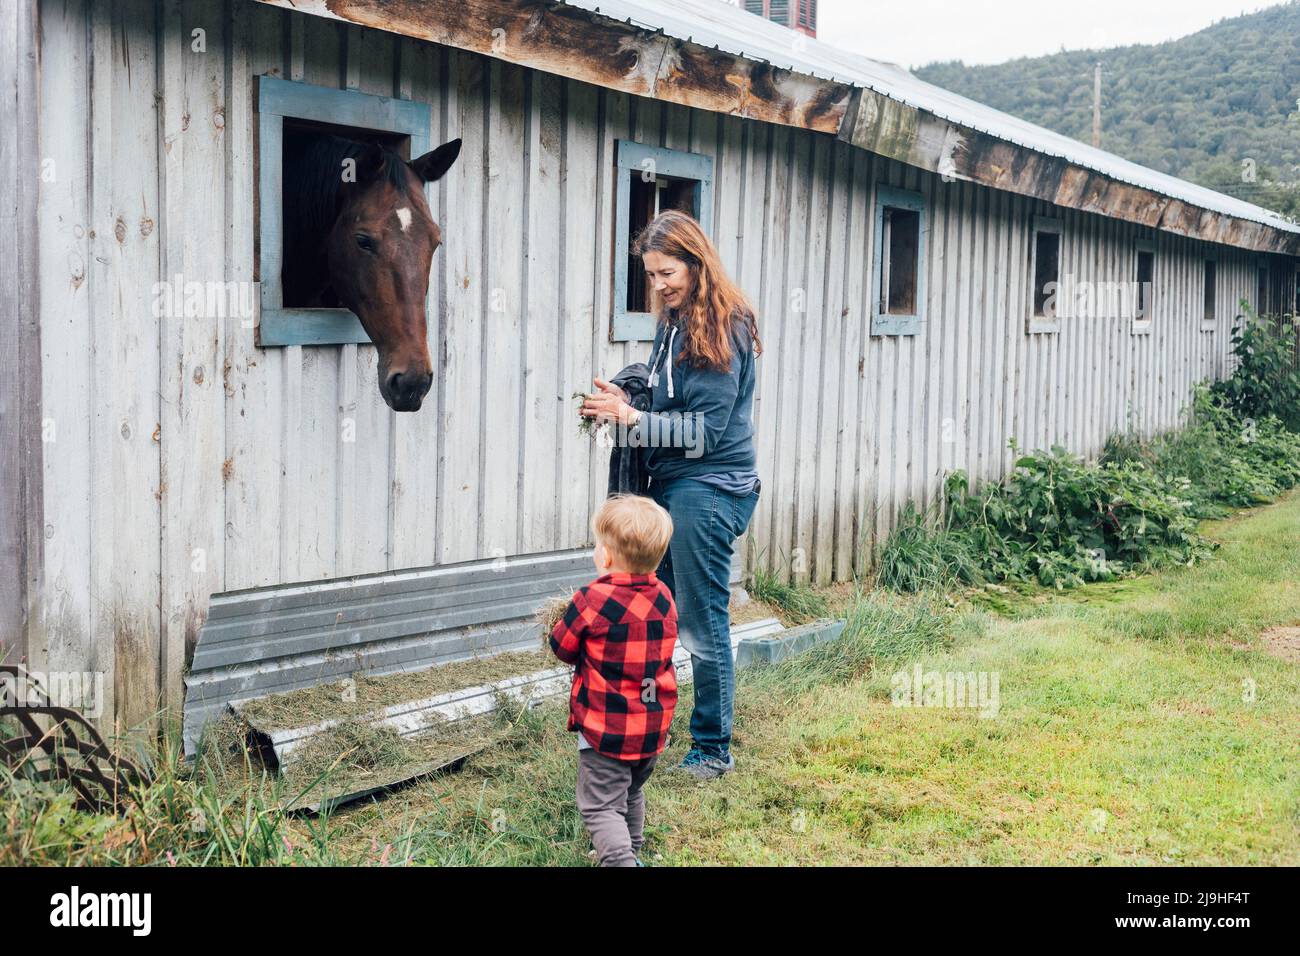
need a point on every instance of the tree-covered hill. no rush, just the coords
(1220, 107)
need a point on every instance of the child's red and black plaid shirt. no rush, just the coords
(619, 631)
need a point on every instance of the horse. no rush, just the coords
(358, 234)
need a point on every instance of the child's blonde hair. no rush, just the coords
(636, 529)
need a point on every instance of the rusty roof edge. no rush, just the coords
(887, 126)
(831, 100)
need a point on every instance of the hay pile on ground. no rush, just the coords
(363, 695)
(357, 756)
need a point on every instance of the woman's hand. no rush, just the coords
(609, 389)
(608, 405)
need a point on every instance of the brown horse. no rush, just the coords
(359, 235)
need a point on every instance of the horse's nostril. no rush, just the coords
(407, 388)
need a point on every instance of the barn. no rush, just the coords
(204, 495)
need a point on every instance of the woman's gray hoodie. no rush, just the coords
(700, 423)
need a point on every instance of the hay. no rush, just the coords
(364, 695)
(549, 614)
(354, 749)
(227, 763)
(356, 758)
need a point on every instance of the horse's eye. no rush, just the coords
(365, 242)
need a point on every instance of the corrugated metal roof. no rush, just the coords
(716, 24)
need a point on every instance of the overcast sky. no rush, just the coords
(916, 32)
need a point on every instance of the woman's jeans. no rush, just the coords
(697, 569)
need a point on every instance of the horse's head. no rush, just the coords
(379, 251)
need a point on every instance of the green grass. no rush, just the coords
(1140, 722)
(799, 603)
(1122, 737)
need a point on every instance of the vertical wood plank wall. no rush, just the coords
(188, 461)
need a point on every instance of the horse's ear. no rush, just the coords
(431, 166)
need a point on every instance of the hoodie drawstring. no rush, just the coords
(654, 375)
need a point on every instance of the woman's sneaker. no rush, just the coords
(703, 765)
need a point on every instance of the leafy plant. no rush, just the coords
(1059, 521)
(1056, 520)
(1266, 381)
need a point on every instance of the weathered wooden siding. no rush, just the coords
(188, 461)
(21, 428)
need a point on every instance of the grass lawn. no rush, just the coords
(1147, 721)
(1143, 722)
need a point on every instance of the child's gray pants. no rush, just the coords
(612, 805)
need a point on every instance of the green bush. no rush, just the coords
(1228, 461)
(1060, 521)
(1266, 381)
(1057, 521)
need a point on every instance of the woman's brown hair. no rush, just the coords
(714, 303)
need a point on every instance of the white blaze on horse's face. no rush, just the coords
(404, 217)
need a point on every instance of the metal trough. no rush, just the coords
(278, 639)
(414, 717)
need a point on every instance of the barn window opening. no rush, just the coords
(1145, 288)
(301, 263)
(898, 262)
(651, 196)
(902, 235)
(650, 180)
(293, 119)
(1045, 267)
(1210, 292)
(1047, 273)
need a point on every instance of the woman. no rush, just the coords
(699, 445)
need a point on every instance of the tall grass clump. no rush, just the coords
(877, 629)
(799, 602)
(224, 809)
(924, 553)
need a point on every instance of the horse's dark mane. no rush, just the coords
(314, 177)
(313, 188)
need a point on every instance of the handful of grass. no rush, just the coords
(600, 431)
(585, 425)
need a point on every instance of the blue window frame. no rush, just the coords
(649, 179)
(898, 262)
(278, 100)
